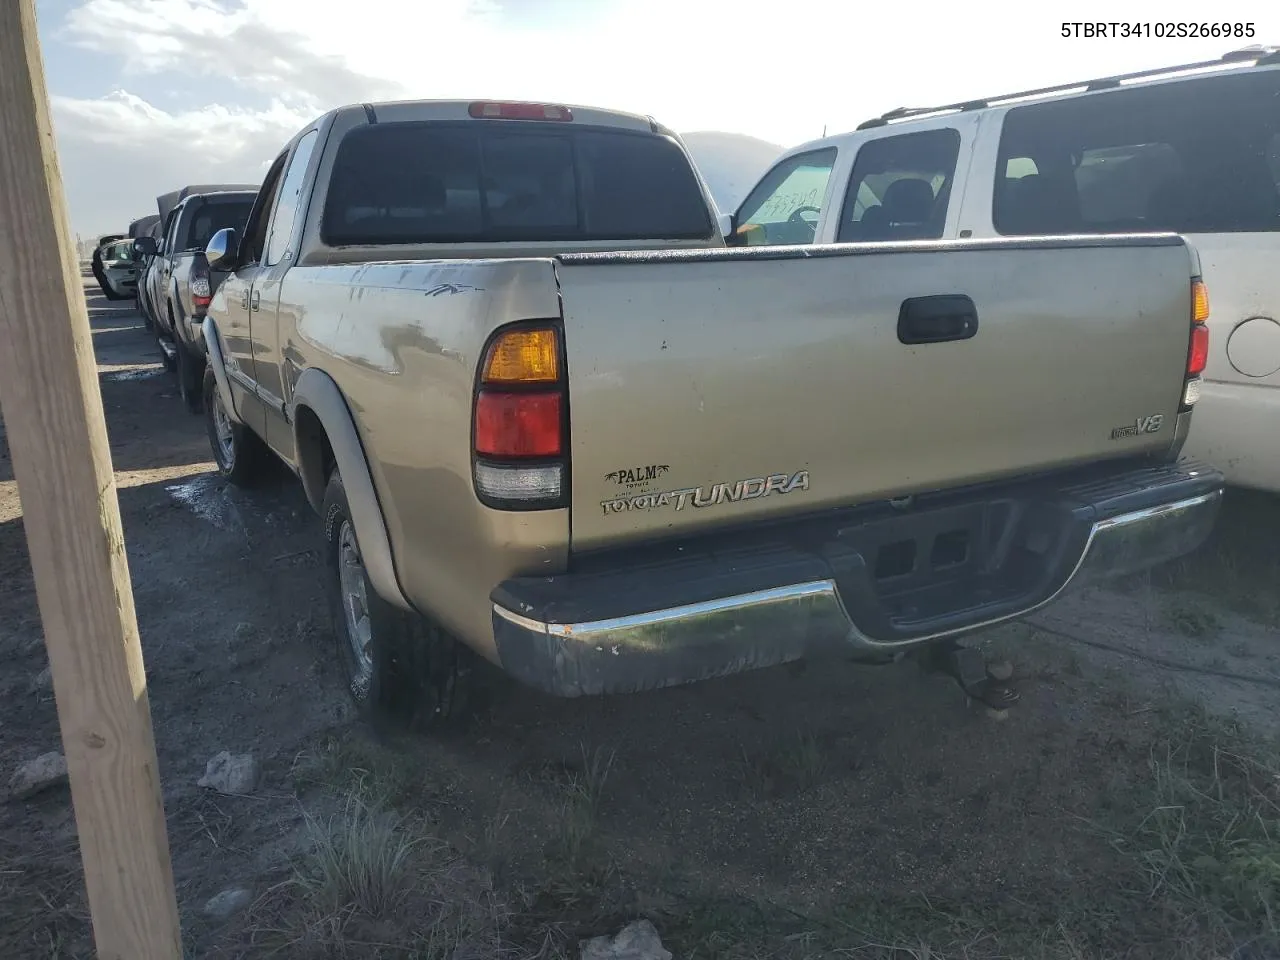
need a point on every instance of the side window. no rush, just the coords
(785, 205)
(900, 187)
(255, 231)
(1191, 156)
(171, 228)
(289, 199)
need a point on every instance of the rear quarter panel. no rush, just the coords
(403, 341)
(1234, 424)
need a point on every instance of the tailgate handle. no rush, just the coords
(937, 319)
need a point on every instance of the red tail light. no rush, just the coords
(1198, 348)
(518, 424)
(520, 441)
(1198, 355)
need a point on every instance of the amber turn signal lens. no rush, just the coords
(523, 356)
(1199, 301)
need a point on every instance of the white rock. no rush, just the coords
(229, 902)
(230, 774)
(637, 941)
(46, 771)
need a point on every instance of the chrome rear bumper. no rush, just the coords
(677, 644)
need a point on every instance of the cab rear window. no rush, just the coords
(1190, 156)
(509, 181)
(210, 217)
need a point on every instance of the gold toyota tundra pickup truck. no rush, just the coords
(546, 416)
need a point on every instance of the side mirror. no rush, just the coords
(726, 224)
(223, 249)
(144, 247)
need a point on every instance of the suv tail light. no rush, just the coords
(520, 424)
(1198, 349)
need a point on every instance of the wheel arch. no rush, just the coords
(213, 345)
(325, 438)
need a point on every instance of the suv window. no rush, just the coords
(900, 187)
(1191, 156)
(441, 183)
(785, 205)
(289, 198)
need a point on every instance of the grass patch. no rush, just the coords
(1210, 837)
(373, 884)
(1196, 875)
(1190, 806)
(360, 861)
(796, 763)
(1193, 620)
(387, 776)
(580, 808)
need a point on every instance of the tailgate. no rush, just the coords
(717, 387)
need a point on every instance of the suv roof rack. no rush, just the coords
(1260, 55)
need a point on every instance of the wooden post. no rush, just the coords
(58, 440)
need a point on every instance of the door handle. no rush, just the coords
(244, 299)
(256, 300)
(937, 319)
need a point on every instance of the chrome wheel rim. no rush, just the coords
(222, 427)
(355, 606)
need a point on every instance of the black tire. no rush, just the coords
(147, 322)
(191, 378)
(109, 293)
(413, 675)
(244, 458)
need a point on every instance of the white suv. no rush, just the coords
(1193, 149)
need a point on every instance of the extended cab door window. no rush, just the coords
(785, 205)
(289, 200)
(171, 229)
(900, 187)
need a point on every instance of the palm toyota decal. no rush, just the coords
(632, 476)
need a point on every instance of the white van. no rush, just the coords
(1192, 149)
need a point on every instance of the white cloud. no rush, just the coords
(781, 72)
(122, 119)
(118, 153)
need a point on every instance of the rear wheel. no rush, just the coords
(241, 457)
(400, 669)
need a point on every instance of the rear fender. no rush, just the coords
(316, 395)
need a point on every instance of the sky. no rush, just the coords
(149, 95)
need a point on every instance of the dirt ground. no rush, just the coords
(1126, 808)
